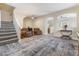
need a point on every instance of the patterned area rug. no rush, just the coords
(41, 45)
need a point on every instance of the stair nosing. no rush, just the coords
(3, 37)
(8, 30)
(8, 40)
(3, 34)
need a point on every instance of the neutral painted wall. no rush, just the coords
(27, 23)
(43, 23)
(6, 12)
(17, 27)
(6, 16)
(35, 23)
(40, 21)
(19, 18)
(74, 9)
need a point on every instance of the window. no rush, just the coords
(69, 19)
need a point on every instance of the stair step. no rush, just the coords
(2, 38)
(14, 40)
(7, 33)
(3, 29)
(6, 24)
(10, 30)
(7, 28)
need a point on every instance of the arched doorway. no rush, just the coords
(48, 25)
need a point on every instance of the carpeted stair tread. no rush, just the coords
(4, 42)
(7, 37)
(7, 33)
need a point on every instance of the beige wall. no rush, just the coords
(6, 16)
(74, 9)
(27, 23)
(6, 12)
(19, 18)
(35, 23)
(40, 21)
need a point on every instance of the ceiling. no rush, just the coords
(40, 8)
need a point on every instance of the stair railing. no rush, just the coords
(18, 28)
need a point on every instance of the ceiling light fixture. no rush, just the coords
(32, 17)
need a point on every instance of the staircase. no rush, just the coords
(7, 33)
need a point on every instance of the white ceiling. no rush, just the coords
(40, 8)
